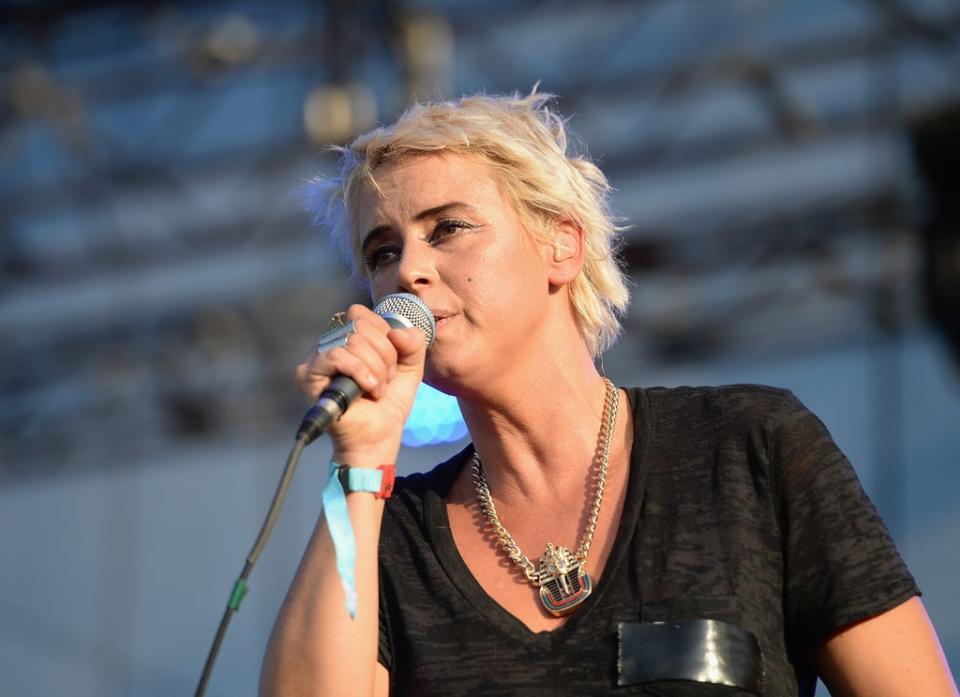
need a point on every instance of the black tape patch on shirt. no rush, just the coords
(708, 651)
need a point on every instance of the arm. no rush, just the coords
(315, 648)
(894, 654)
(843, 566)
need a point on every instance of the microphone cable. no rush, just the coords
(240, 586)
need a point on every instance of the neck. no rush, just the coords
(536, 432)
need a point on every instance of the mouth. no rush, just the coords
(441, 320)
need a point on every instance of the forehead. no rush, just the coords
(409, 186)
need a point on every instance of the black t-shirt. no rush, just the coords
(739, 508)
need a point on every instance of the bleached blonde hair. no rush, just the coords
(525, 144)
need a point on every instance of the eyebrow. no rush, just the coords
(382, 230)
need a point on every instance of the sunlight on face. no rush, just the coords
(440, 227)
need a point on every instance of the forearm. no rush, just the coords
(315, 647)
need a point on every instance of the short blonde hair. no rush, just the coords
(525, 144)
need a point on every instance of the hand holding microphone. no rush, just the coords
(377, 354)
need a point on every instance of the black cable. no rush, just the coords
(240, 586)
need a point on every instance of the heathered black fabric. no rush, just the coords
(739, 508)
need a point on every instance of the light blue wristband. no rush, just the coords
(362, 479)
(342, 479)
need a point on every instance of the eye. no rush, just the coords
(379, 256)
(448, 226)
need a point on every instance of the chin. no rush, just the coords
(449, 373)
(440, 380)
(461, 369)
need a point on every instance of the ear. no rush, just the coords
(566, 252)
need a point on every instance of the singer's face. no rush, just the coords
(440, 228)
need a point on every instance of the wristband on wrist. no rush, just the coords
(378, 482)
(343, 479)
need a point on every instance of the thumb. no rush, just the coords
(411, 347)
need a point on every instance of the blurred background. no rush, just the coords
(789, 171)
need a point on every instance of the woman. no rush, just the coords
(727, 512)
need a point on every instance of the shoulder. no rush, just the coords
(724, 406)
(727, 425)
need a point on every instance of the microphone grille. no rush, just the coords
(410, 311)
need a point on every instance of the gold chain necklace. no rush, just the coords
(562, 580)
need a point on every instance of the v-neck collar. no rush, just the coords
(442, 540)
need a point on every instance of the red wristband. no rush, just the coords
(386, 483)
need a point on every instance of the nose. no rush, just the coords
(416, 268)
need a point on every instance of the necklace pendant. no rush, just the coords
(564, 583)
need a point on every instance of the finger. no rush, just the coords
(341, 361)
(411, 346)
(364, 313)
(377, 358)
(313, 376)
(369, 341)
(310, 384)
(370, 337)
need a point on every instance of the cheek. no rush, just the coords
(379, 284)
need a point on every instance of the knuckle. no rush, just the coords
(356, 311)
(337, 354)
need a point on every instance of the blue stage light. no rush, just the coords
(435, 418)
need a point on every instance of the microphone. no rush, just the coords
(401, 310)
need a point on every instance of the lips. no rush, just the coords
(441, 319)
